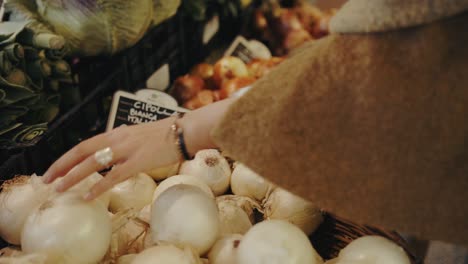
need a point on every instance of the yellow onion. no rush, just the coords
(283, 205)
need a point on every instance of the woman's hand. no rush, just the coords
(137, 148)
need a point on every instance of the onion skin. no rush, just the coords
(76, 224)
(245, 182)
(185, 216)
(283, 205)
(134, 193)
(233, 219)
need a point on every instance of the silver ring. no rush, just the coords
(104, 156)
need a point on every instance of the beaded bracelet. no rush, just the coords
(178, 133)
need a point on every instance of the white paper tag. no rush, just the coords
(157, 97)
(130, 109)
(210, 30)
(247, 50)
(160, 79)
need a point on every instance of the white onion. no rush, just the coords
(276, 242)
(233, 219)
(205, 261)
(126, 259)
(249, 205)
(145, 214)
(68, 229)
(225, 249)
(283, 205)
(17, 199)
(372, 250)
(182, 179)
(166, 254)
(211, 167)
(165, 172)
(34, 258)
(135, 193)
(186, 216)
(246, 182)
(128, 235)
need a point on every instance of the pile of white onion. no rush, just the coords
(200, 211)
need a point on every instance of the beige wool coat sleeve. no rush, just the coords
(372, 127)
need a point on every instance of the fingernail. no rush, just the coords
(46, 178)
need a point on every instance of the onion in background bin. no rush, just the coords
(184, 215)
(228, 68)
(68, 229)
(186, 87)
(136, 192)
(229, 87)
(211, 167)
(276, 242)
(283, 205)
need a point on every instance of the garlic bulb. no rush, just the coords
(246, 182)
(233, 219)
(165, 172)
(225, 249)
(211, 167)
(136, 192)
(182, 179)
(185, 216)
(98, 27)
(166, 254)
(18, 198)
(372, 250)
(276, 242)
(247, 204)
(283, 205)
(68, 229)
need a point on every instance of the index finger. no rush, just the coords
(75, 156)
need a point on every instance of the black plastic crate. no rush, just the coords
(99, 78)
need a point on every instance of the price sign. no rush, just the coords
(129, 109)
